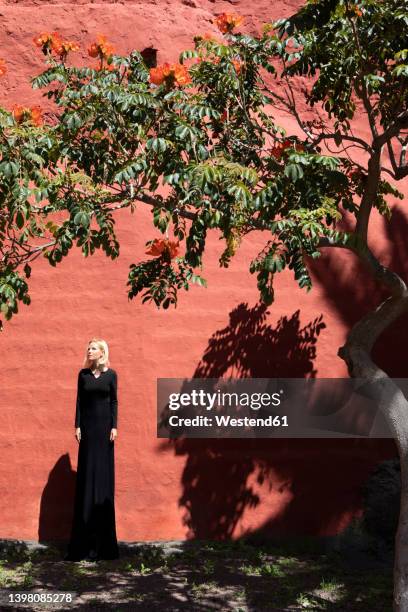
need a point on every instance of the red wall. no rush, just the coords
(221, 488)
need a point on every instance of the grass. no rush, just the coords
(198, 590)
(16, 575)
(208, 567)
(330, 585)
(209, 576)
(307, 602)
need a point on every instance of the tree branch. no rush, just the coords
(382, 275)
(401, 169)
(370, 193)
(400, 123)
(355, 139)
(365, 333)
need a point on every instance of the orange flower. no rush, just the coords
(63, 47)
(278, 150)
(356, 10)
(36, 115)
(226, 22)
(18, 112)
(159, 246)
(237, 65)
(181, 74)
(23, 113)
(157, 75)
(171, 74)
(108, 67)
(93, 50)
(173, 248)
(3, 67)
(56, 43)
(101, 48)
(44, 40)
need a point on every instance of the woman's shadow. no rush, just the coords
(56, 507)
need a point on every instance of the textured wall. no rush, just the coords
(197, 488)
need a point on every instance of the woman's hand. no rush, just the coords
(78, 434)
(113, 434)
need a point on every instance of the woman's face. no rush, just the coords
(94, 352)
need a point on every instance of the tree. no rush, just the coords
(206, 136)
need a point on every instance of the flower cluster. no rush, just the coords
(52, 42)
(3, 67)
(226, 22)
(101, 48)
(160, 246)
(171, 74)
(279, 149)
(31, 113)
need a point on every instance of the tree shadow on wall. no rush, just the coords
(317, 483)
(222, 478)
(56, 508)
(249, 347)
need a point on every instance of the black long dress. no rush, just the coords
(93, 529)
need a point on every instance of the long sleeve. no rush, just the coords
(114, 400)
(78, 403)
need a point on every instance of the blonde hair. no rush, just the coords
(103, 346)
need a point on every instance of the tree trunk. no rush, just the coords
(394, 406)
(401, 544)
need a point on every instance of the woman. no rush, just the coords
(93, 533)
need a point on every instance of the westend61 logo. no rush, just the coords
(203, 399)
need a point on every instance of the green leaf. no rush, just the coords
(188, 54)
(19, 219)
(241, 193)
(73, 121)
(82, 218)
(9, 168)
(294, 172)
(400, 70)
(158, 145)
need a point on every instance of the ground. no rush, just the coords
(200, 576)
